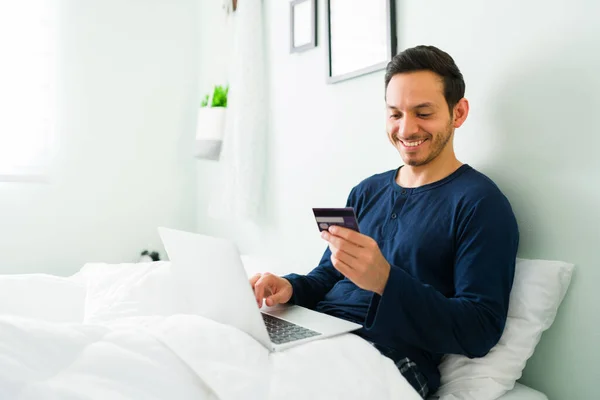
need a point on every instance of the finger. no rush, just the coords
(350, 235)
(274, 299)
(259, 290)
(262, 288)
(342, 244)
(253, 279)
(343, 268)
(344, 257)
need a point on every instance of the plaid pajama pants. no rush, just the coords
(407, 368)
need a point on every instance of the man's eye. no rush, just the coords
(395, 116)
(423, 115)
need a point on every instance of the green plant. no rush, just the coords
(219, 98)
(204, 102)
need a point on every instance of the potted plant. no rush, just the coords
(211, 123)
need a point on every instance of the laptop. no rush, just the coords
(210, 272)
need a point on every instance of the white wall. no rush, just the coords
(531, 73)
(127, 100)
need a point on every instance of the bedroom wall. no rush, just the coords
(127, 97)
(531, 74)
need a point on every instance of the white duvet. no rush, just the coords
(135, 339)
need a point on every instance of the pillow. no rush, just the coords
(538, 289)
(42, 296)
(130, 290)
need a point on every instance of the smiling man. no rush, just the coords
(432, 269)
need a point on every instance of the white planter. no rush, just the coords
(210, 129)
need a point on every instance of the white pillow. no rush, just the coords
(130, 290)
(42, 296)
(538, 289)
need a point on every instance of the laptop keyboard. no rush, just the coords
(281, 331)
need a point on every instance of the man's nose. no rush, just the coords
(407, 126)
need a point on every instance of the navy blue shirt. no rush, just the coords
(452, 248)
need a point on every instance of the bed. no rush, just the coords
(124, 331)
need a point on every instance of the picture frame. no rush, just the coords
(361, 37)
(303, 25)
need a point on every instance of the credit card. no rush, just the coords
(336, 216)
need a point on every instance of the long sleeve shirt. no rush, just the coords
(452, 248)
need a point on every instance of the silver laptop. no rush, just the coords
(223, 293)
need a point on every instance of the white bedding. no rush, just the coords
(522, 392)
(137, 341)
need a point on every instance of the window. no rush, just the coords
(27, 77)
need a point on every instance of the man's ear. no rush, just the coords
(461, 110)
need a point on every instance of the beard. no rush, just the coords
(438, 143)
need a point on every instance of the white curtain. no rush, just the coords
(27, 81)
(240, 186)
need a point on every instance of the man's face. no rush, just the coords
(419, 123)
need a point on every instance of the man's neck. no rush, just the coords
(411, 177)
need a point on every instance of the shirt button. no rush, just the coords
(394, 216)
(403, 191)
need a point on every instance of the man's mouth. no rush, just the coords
(412, 144)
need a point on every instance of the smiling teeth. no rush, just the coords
(413, 144)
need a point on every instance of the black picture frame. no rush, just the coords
(391, 42)
(313, 26)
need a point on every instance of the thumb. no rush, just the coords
(274, 299)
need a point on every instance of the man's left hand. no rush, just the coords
(358, 258)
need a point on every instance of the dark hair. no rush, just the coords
(430, 58)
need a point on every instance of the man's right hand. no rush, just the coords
(273, 288)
